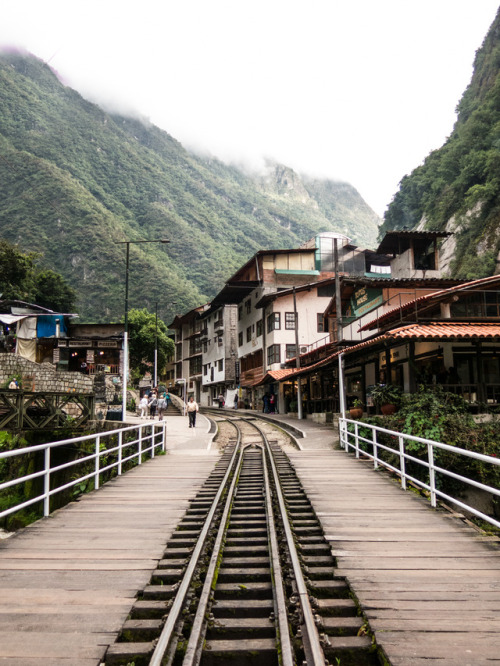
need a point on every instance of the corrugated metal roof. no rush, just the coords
(436, 295)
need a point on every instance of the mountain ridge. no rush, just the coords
(457, 188)
(78, 179)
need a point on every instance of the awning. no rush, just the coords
(11, 319)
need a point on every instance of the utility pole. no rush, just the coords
(125, 332)
(155, 384)
(297, 357)
(338, 323)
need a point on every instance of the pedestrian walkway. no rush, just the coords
(68, 582)
(427, 581)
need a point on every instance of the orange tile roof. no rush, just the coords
(276, 375)
(441, 330)
(442, 293)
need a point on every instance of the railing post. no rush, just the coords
(46, 483)
(356, 440)
(375, 452)
(153, 442)
(402, 461)
(140, 441)
(164, 442)
(120, 452)
(97, 461)
(432, 474)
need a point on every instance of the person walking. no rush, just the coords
(192, 408)
(162, 406)
(143, 406)
(220, 400)
(236, 401)
(152, 404)
(167, 399)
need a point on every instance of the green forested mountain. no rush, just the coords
(457, 189)
(75, 179)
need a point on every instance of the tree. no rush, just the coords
(53, 292)
(16, 272)
(21, 279)
(141, 332)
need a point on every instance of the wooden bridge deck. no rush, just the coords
(68, 582)
(428, 583)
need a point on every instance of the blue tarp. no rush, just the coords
(46, 326)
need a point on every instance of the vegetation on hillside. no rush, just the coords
(22, 278)
(75, 180)
(457, 188)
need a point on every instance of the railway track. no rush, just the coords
(247, 578)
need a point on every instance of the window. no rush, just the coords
(249, 334)
(240, 339)
(259, 328)
(273, 322)
(320, 322)
(248, 306)
(290, 352)
(290, 321)
(221, 364)
(240, 312)
(273, 354)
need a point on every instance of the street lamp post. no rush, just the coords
(125, 332)
(155, 384)
(156, 343)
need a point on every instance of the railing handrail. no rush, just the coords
(144, 443)
(404, 456)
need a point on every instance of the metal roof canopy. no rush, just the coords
(396, 242)
(234, 292)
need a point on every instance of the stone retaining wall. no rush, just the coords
(42, 376)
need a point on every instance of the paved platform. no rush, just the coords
(68, 582)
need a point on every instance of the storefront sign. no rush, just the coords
(365, 299)
(79, 343)
(107, 344)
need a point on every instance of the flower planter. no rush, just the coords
(388, 410)
(356, 412)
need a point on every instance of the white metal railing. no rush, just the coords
(359, 443)
(127, 444)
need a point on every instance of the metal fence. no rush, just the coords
(110, 452)
(353, 435)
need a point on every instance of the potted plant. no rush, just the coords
(356, 411)
(387, 397)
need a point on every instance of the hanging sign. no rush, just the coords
(365, 299)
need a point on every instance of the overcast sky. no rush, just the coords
(354, 90)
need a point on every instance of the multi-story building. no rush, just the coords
(280, 297)
(188, 352)
(219, 354)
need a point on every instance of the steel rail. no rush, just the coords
(280, 603)
(191, 656)
(177, 606)
(193, 651)
(312, 642)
